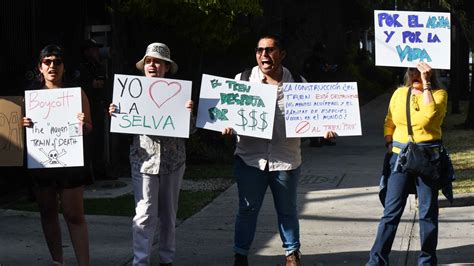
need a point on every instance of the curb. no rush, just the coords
(460, 200)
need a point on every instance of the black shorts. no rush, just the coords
(65, 177)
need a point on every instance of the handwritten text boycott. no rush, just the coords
(55, 140)
(249, 108)
(151, 106)
(312, 109)
(404, 38)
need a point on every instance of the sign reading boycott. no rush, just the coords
(151, 106)
(11, 131)
(404, 38)
(312, 109)
(55, 140)
(248, 108)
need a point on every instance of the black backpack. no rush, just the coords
(246, 75)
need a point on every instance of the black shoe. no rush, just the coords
(240, 260)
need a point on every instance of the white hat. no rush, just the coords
(160, 51)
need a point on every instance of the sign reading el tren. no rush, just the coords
(248, 108)
(404, 38)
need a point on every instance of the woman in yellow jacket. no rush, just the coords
(427, 110)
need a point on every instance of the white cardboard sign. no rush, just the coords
(247, 107)
(312, 109)
(404, 38)
(151, 106)
(55, 140)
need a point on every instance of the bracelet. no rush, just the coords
(428, 83)
(388, 143)
(426, 88)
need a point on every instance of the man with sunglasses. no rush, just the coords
(262, 163)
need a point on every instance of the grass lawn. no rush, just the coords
(460, 144)
(190, 202)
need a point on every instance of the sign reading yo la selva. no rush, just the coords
(151, 106)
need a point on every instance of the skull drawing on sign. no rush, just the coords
(53, 156)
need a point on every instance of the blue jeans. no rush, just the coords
(398, 188)
(252, 184)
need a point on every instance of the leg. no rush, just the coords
(73, 211)
(428, 219)
(251, 184)
(145, 189)
(48, 206)
(170, 185)
(395, 201)
(284, 189)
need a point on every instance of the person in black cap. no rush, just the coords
(91, 76)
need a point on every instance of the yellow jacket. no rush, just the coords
(426, 119)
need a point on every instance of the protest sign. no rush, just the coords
(248, 108)
(11, 131)
(55, 139)
(151, 106)
(404, 38)
(312, 109)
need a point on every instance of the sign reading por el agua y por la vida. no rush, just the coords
(151, 106)
(404, 38)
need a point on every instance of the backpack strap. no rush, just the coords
(246, 74)
(296, 77)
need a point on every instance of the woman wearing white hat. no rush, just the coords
(157, 165)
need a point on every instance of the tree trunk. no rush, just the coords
(469, 123)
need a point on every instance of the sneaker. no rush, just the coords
(293, 259)
(240, 260)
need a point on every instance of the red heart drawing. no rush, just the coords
(164, 91)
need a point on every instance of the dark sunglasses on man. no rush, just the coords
(259, 50)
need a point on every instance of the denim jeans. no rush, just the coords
(252, 184)
(398, 188)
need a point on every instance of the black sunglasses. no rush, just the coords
(56, 62)
(259, 50)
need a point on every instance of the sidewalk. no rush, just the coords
(339, 213)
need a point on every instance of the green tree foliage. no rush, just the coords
(464, 10)
(208, 24)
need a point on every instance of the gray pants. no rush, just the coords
(156, 198)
